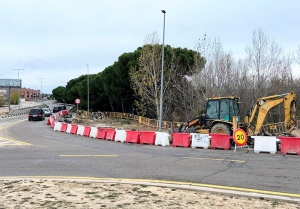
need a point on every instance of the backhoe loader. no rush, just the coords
(222, 115)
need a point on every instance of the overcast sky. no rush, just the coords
(53, 40)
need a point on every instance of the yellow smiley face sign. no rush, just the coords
(240, 137)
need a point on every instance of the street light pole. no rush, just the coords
(162, 75)
(18, 88)
(41, 90)
(88, 91)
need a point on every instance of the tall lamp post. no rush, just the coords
(162, 74)
(18, 88)
(88, 91)
(41, 90)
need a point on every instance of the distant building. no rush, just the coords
(30, 94)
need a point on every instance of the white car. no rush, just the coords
(47, 112)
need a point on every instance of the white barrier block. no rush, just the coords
(57, 126)
(162, 139)
(93, 132)
(265, 144)
(80, 130)
(200, 140)
(120, 136)
(69, 128)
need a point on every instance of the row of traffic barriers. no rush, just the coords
(129, 136)
(269, 144)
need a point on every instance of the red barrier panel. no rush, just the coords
(101, 133)
(74, 128)
(64, 112)
(110, 134)
(220, 141)
(181, 140)
(48, 121)
(87, 130)
(52, 123)
(289, 145)
(63, 127)
(133, 137)
(147, 137)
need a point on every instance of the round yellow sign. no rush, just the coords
(240, 137)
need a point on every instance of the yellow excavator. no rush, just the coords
(222, 115)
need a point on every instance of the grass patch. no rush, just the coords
(274, 203)
(9, 187)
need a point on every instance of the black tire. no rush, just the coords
(221, 128)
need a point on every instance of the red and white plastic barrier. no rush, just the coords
(80, 130)
(133, 137)
(69, 128)
(93, 132)
(74, 128)
(289, 145)
(181, 140)
(162, 139)
(57, 126)
(200, 140)
(110, 134)
(101, 133)
(120, 136)
(63, 127)
(220, 141)
(147, 137)
(86, 131)
(265, 144)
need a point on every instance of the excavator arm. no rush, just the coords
(265, 104)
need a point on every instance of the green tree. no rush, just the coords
(14, 97)
(146, 78)
(58, 92)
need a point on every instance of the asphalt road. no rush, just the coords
(32, 148)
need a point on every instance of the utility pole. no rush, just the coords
(19, 100)
(88, 91)
(162, 76)
(41, 90)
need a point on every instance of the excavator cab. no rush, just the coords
(222, 108)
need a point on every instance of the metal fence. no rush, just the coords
(153, 123)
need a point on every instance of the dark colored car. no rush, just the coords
(36, 114)
(56, 109)
(63, 107)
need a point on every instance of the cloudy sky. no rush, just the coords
(54, 40)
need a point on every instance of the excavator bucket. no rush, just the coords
(296, 132)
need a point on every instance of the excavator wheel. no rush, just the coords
(221, 128)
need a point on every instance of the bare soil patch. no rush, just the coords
(77, 194)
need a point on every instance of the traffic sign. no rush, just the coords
(240, 137)
(77, 101)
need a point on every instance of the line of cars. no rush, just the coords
(41, 113)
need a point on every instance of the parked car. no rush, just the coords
(56, 109)
(63, 107)
(47, 112)
(36, 114)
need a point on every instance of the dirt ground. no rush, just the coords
(43, 193)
